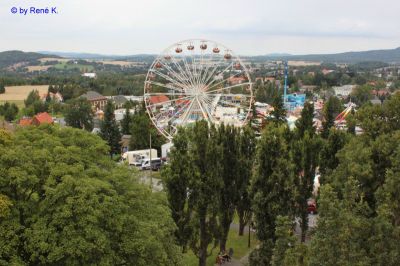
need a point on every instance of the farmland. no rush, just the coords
(17, 94)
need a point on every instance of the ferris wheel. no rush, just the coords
(197, 79)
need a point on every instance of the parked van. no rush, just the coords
(155, 164)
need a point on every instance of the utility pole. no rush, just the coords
(285, 87)
(151, 169)
(249, 226)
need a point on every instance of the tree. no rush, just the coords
(278, 115)
(342, 228)
(196, 186)
(331, 109)
(306, 123)
(362, 94)
(5, 205)
(305, 157)
(109, 130)
(331, 146)
(247, 148)
(126, 122)
(79, 114)
(376, 120)
(73, 206)
(9, 111)
(285, 240)
(32, 97)
(2, 89)
(52, 89)
(141, 129)
(177, 177)
(271, 189)
(227, 138)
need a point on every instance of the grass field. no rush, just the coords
(46, 59)
(18, 94)
(236, 242)
(64, 65)
(37, 68)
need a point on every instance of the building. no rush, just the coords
(39, 119)
(120, 113)
(159, 101)
(89, 75)
(344, 90)
(97, 100)
(119, 101)
(42, 118)
(57, 97)
(134, 98)
(309, 88)
(125, 139)
(237, 80)
(327, 71)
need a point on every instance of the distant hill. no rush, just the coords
(387, 56)
(137, 57)
(10, 58)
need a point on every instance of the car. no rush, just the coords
(312, 206)
(156, 164)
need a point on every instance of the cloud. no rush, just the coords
(251, 27)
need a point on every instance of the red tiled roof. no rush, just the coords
(43, 118)
(25, 121)
(158, 99)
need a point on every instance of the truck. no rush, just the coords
(136, 157)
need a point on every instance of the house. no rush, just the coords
(134, 98)
(379, 93)
(158, 99)
(25, 121)
(89, 75)
(236, 80)
(327, 71)
(39, 119)
(309, 88)
(119, 114)
(119, 101)
(97, 100)
(42, 118)
(344, 90)
(57, 97)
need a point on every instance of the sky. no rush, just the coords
(248, 27)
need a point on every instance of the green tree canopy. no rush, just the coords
(79, 114)
(71, 205)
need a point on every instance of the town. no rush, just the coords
(214, 133)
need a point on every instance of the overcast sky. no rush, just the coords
(249, 27)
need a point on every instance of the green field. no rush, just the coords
(64, 65)
(19, 103)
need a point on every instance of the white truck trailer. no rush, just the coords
(136, 157)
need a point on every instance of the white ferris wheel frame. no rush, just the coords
(189, 83)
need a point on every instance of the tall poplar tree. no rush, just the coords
(271, 189)
(109, 130)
